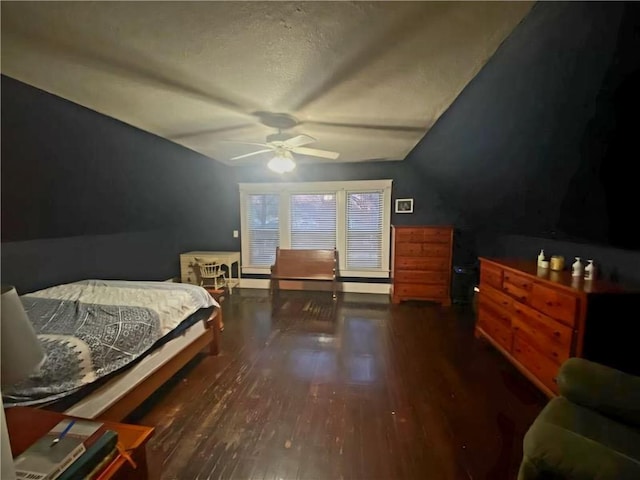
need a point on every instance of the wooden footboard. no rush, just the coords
(129, 402)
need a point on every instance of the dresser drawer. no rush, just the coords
(543, 328)
(500, 313)
(417, 276)
(437, 235)
(433, 235)
(421, 263)
(518, 293)
(554, 303)
(405, 235)
(436, 250)
(422, 250)
(419, 290)
(537, 363)
(409, 249)
(491, 275)
(541, 336)
(495, 327)
(496, 296)
(516, 280)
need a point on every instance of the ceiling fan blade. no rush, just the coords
(298, 141)
(250, 154)
(314, 152)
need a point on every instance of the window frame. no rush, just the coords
(340, 188)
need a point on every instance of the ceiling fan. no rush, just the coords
(284, 147)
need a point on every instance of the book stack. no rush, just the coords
(73, 449)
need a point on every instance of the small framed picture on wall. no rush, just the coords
(404, 205)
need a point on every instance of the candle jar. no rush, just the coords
(557, 263)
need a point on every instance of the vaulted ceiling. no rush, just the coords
(366, 79)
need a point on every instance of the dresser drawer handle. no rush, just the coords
(549, 303)
(557, 334)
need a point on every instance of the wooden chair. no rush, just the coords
(211, 274)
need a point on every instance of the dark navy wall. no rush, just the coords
(538, 145)
(86, 195)
(539, 150)
(534, 144)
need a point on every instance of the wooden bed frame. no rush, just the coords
(129, 402)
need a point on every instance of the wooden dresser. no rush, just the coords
(538, 318)
(421, 263)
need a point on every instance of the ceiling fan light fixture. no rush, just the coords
(282, 163)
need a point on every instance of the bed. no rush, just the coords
(110, 344)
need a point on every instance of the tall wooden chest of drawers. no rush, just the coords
(538, 318)
(421, 263)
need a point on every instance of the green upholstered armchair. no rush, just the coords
(590, 431)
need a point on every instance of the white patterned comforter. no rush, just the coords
(92, 328)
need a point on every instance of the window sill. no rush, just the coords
(343, 273)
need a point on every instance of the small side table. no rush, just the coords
(26, 425)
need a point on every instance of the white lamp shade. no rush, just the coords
(282, 163)
(21, 350)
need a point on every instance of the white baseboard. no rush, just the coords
(348, 287)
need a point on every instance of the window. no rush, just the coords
(263, 228)
(364, 230)
(352, 216)
(313, 220)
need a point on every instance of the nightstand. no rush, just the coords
(26, 425)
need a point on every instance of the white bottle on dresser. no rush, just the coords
(590, 271)
(577, 268)
(540, 258)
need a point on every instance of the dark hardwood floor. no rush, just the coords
(367, 391)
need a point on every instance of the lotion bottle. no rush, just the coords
(541, 257)
(576, 268)
(590, 271)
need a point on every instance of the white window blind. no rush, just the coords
(263, 226)
(352, 216)
(364, 230)
(313, 220)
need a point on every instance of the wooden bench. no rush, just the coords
(304, 265)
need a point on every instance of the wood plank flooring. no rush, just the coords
(366, 391)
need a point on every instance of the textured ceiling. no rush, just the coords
(366, 79)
